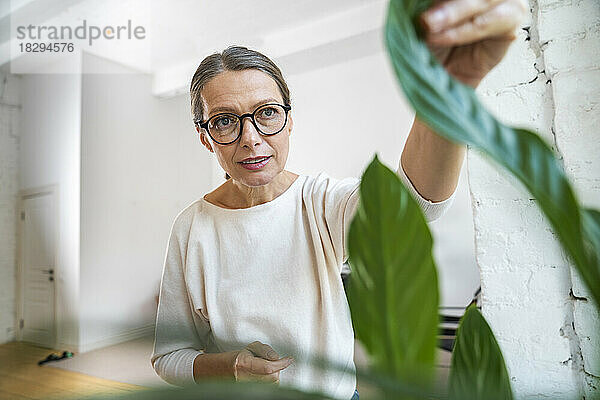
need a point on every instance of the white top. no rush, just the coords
(269, 273)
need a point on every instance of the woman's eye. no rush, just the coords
(268, 112)
(222, 122)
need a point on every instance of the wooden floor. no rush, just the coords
(22, 378)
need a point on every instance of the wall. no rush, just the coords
(571, 33)
(50, 154)
(345, 113)
(142, 163)
(550, 82)
(9, 187)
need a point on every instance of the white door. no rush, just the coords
(38, 255)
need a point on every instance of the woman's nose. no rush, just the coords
(250, 136)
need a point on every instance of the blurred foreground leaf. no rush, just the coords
(217, 390)
(393, 290)
(478, 370)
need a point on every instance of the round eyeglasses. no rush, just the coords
(226, 128)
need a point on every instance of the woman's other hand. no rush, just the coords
(470, 37)
(259, 362)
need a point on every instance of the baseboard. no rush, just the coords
(118, 338)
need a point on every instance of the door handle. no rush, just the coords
(51, 278)
(48, 271)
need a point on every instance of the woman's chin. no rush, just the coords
(255, 178)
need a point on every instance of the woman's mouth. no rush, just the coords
(255, 163)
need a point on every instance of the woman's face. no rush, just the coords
(242, 92)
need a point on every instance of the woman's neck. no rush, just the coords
(237, 195)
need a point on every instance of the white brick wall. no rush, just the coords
(9, 187)
(549, 82)
(572, 55)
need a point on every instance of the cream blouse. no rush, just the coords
(269, 273)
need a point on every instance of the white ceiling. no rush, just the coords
(198, 25)
(182, 32)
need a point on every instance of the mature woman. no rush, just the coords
(254, 266)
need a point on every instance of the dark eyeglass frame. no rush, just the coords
(204, 125)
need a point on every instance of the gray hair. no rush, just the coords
(233, 58)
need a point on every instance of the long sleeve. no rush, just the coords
(431, 210)
(180, 335)
(341, 201)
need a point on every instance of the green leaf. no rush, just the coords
(452, 110)
(217, 390)
(478, 370)
(591, 227)
(393, 289)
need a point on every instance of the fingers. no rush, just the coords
(247, 362)
(498, 22)
(450, 13)
(259, 362)
(263, 351)
(266, 367)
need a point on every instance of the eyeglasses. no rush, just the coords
(226, 128)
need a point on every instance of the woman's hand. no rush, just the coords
(470, 37)
(259, 362)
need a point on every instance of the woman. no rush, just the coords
(254, 266)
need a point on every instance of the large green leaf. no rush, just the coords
(217, 390)
(393, 290)
(478, 370)
(453, 111)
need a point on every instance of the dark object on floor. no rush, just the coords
(55, 357)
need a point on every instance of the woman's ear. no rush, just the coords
(291, 124)
(204, 139)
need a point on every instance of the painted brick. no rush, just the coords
(562, 55)
(509, 244)
(490, 182)
(575, 65)
(524, 106)
(536, 354)
(557, 382)
(591, 386)
(587, 325)
(530, 286)
(567, 19)
(577, 98)
(516, 68)
(547, 336)
(579, 288)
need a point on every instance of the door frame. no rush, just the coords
(25, 194)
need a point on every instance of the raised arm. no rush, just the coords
(431, 162)
(469, 38)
